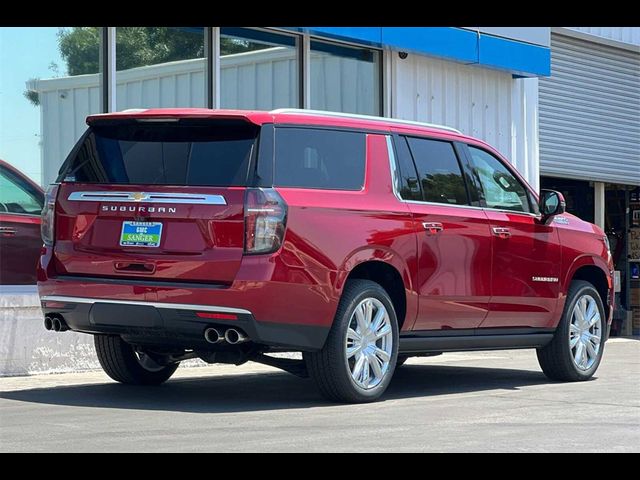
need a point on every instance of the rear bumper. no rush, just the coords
(275, 304)
(175, 325)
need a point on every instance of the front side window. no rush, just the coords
(439, 171)
(502, 190)
(18, 197)
(315, 158)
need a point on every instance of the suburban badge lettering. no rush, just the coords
(134, 209)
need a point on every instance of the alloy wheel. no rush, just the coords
(585, 332)
(369, 343)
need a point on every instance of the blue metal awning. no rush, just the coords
(452, 43)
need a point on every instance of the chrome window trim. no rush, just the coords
(393, 164)
(148, 197)
(175, 306)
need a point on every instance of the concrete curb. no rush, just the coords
(26, 348)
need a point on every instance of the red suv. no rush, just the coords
(358, 241)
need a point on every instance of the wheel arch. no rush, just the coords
(593, 270)
(390, 271)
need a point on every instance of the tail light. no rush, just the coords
(265, 217)
(48, 215)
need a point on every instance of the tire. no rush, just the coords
(558, 359)
(120, 361)
(331, 368)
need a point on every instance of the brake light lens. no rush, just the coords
(265, 218)
(48, 215)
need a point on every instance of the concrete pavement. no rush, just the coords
(479, 401)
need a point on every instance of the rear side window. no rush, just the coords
(439, 171)
(316, 158)
(180, 153)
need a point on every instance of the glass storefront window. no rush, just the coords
(160, 67)
(258, 69)
(345, 79)
(49, 83)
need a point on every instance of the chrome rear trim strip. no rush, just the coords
(174, 306)
(148, 197)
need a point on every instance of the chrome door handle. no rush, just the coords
(7, 231)
(432, 227)
(501, 232)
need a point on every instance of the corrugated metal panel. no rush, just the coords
(620, 34)
(487, 104)
(590, 112)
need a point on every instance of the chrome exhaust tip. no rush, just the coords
(233, 336)
(48, 323)
(57, 325)
(213, 335)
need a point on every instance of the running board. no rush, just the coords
(422, 343)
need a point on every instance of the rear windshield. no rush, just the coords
(181, 153)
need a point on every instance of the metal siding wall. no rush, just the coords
(590, 112)
(484, 103)
(63, 113)
(620, 34)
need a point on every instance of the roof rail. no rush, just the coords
(399, 121)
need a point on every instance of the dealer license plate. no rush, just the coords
(141, 234)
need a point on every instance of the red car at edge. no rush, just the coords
(21, 201)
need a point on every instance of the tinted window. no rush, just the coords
(16, 196)
(310, 158)
(407, 177)
(213, 154)
(501, 188)
(439, 171)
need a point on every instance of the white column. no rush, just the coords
(525, 145)
(598, 200)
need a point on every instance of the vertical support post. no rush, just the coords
(598, 200)
(305, 60)
(387, 82)
(213, 67)
(108, 69)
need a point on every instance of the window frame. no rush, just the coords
(530, 194)
(459, 161)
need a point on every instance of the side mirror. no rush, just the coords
(551, 203)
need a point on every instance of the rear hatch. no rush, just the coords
(158, 199)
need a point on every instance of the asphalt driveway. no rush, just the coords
(488, 401)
